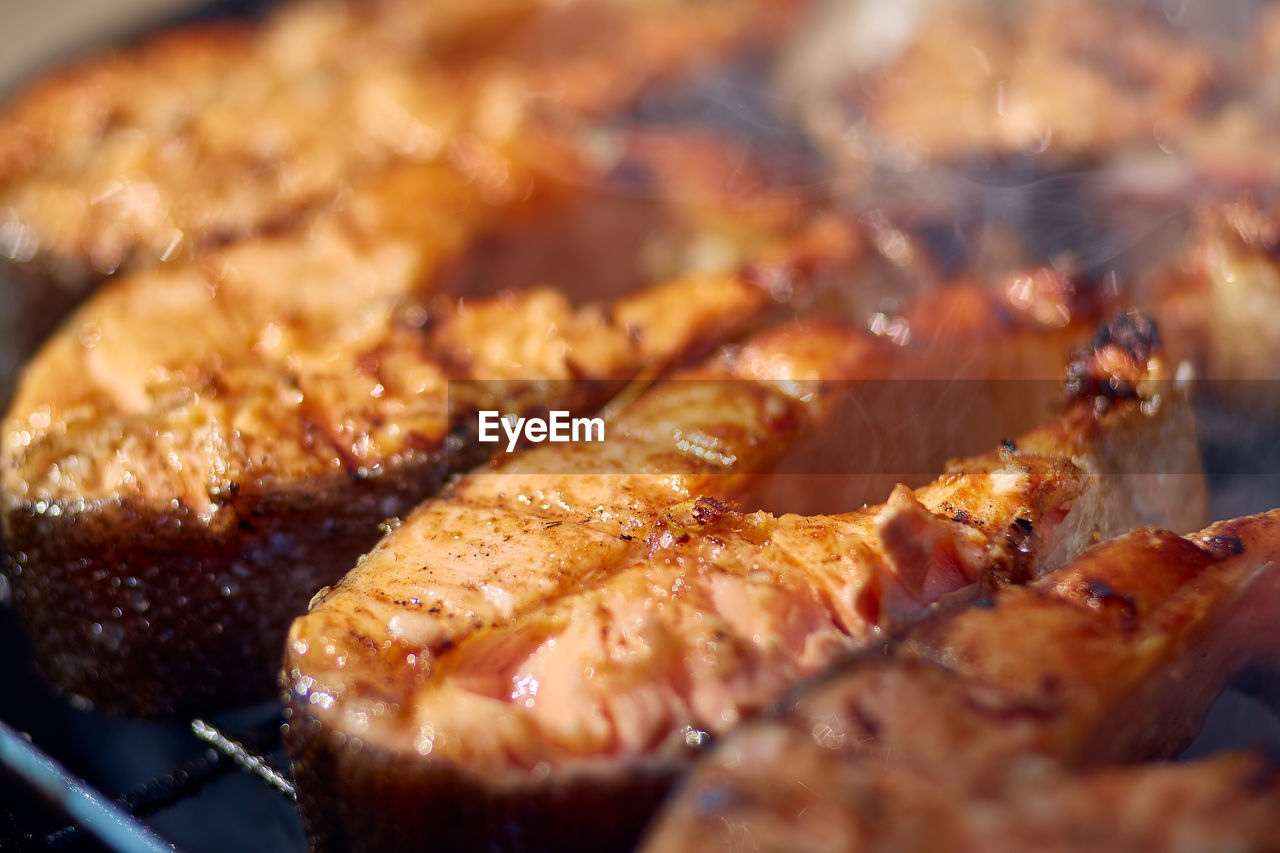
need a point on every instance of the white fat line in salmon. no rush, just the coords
(558, 426)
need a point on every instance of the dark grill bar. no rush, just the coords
(104, 819)
(235, 780)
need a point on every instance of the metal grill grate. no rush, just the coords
(119, 824)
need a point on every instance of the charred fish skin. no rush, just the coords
(438, 735)
(1119, 655)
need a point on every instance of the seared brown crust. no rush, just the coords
(400, 680)
(1115, 657)
(141, 612)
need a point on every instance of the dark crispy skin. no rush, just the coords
(413, 686)
(1114, 657)
(213, 133)
(202, 447)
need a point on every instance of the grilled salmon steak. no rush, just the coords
(322, 136)
(1114, 657)
(531, 660)
(220, 132)
(200, 449)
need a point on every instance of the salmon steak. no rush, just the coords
(908, 342)
(216, 133)
(198, 450)
(527, 644)
(291, 210)
(335, 141)
(1117, 657)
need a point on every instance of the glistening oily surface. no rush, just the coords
(259, 407)
(304, 508)
(521, 636)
